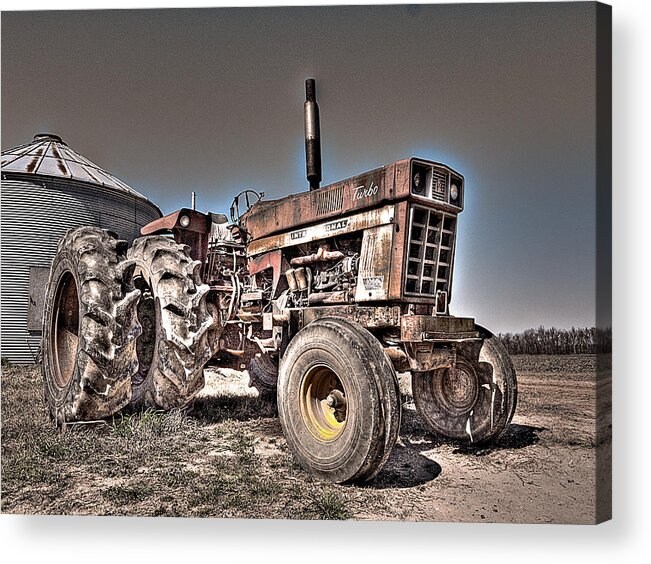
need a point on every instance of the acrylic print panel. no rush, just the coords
(382, 294)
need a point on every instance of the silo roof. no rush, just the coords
(49, 155)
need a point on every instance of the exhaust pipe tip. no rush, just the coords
(310, 90)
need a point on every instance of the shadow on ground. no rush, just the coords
(408, 467)
(514, 437)
(217, 409)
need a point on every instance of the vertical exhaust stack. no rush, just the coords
(312, 136)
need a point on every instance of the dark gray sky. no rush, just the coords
(211, 100)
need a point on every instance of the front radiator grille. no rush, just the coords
(439, 184)
(430, 252)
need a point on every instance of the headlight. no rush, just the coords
(184, 221)
(419, 180)
(454, 192)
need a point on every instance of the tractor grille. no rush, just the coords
(430, 253)
(439, 184)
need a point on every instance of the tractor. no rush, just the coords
(323, 296)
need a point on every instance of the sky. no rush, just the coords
(211, 101)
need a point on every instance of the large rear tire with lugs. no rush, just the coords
(174, 345)
(89, 327)
(475, 400)
(338, 401)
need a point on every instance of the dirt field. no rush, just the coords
(227, 458)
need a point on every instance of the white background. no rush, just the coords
(624, 539)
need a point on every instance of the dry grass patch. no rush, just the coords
(210, 460)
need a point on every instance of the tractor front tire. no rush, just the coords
(174, 345)
(263, 374)
(89, 327)
(338, 401)
(474, 401)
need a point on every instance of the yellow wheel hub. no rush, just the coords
(323, 403)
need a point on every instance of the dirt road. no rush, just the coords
(227, 458)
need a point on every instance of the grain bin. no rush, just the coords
(47, 188)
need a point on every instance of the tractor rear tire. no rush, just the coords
(473, 402)
(89, 327)
(338, 401)
(174, 345)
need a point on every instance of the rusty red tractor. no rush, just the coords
(322, 295)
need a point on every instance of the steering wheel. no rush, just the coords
(250, 198)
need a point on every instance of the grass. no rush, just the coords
(204, 462)
(128, 494)
(148, 424)
(330, 505)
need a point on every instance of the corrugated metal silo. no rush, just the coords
(47, 188)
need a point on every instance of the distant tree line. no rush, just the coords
(549, 340)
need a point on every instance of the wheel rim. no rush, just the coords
(323, 403)
(65, 329)
(457, 388)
